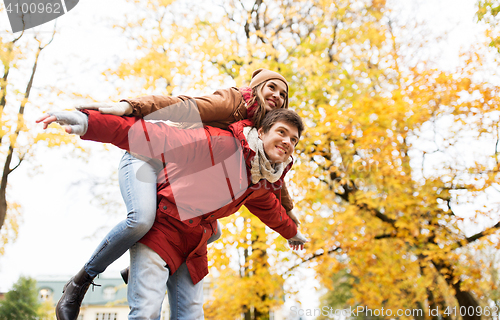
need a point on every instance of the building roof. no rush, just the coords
(111, 291)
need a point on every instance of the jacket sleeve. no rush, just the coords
(151, 139)
(286, 200)
(269, 210)
(225, 105)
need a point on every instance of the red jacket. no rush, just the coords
(220, 109)
(207, 177)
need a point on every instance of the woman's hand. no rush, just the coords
(74, 122)
(117, 108)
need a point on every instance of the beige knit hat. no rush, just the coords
(262, 75)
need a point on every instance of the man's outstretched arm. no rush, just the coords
(153, 140)
(269, 210)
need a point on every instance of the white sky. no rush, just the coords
(57, 217)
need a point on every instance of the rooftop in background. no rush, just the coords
(111, 291)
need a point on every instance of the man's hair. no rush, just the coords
(282, 115)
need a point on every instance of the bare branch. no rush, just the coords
(17, 165)
(484, 233)
(378, 214)
(312, 257)
(385, 236)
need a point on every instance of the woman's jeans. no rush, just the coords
(140, 200)
(138, 187)
(150, 278)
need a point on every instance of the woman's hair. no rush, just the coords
(260, 111)
(282, 115)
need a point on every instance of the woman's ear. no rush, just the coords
(260, 132)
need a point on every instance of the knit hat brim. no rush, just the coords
(261, 75)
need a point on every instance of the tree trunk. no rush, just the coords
(3, 188)
(465, 299)
(6, 168)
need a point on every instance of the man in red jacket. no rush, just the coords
(209, 173)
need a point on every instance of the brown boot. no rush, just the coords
(68, 306)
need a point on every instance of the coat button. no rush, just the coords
(190, 221)
(205, 231)
(164, 207)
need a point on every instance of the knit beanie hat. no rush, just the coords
(262, 75)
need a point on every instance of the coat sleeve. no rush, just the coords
(151, 139)
(225, 105)
(269, 210)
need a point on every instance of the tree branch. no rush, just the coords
(17, 165)
(385, 236)
(378, 214)
(314, 256)
(482, 234)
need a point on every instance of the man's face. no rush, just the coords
(274, 93)
(279, 142)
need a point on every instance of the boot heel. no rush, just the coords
(124, 273)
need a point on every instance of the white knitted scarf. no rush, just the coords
(261, 167)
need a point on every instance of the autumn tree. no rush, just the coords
(242, 257)
(20, 55)
(21, 303)
(387, 171)
(386, 166)
(13, 100)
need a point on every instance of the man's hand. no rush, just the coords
(117, 108)
(74, 122)
(297, 242)
(293, 217)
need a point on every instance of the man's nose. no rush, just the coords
(287, 141)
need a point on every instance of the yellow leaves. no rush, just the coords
(10, 228)
(258, 287)
(56, 139)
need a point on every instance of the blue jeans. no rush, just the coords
(140, 199)
(149, 279)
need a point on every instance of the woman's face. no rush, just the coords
(274, 93)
